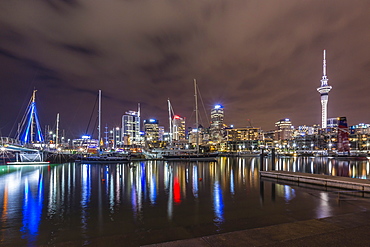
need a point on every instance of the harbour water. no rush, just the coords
(156, 201)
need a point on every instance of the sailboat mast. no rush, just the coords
(99, 124)
(32, 130)
(196, 114)
(57, 132)
(170, 121)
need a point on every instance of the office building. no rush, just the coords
(151, 130)
(178, 125)
(283, 130)
(217, 123)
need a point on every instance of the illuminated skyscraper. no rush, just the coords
(151, 130)
(131, 127)
(178, 125)
(283, 129)
(324, 91)
(217, 122)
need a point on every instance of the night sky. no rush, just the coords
(262, 60)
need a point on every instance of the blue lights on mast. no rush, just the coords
(33, 128)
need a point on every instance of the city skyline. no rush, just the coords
(261, 60)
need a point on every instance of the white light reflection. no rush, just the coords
(289, 193)
(111, 192)
(232, 182)
(117, 185)
(195, 181)
(312, 166)
(323, 209)
(85, 196)
(52, 204)
(153, 185)
(253, 165)
(218, 204)
(170, 195)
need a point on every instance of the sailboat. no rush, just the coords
(191, 155)
(103, 157)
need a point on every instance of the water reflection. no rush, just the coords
(81, 202)
(323, 165)
(32, 206)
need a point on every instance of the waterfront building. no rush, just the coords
(151, 133)
(241, 139)
(178, 125)
(161, 133)
(151, 130)
(324, 90)
(343, 144)
(85, 144)
(131, 127)
(116, 138)
(304, 130)
(243, 134)
(332, 123)
(217, 123)
(203, 135)
(359, 136)
(283, 130)
(360, 128)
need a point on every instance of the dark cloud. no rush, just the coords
(260, 59)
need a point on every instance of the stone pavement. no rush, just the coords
(352, 229)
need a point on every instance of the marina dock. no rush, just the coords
(320, 179)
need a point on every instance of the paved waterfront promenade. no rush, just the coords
(343, 230)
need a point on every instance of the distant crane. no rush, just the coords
(250, 123)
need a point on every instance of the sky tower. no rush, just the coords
(324, 91)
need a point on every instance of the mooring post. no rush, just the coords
(273, 159)
(261, 159)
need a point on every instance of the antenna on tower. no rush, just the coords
(324, 64)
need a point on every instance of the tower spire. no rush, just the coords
(324, 91)
(324, 80)
(324, 64)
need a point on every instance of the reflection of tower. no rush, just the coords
(324, 91)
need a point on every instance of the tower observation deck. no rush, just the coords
(324, 90)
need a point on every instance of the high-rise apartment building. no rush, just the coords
(131, 127)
